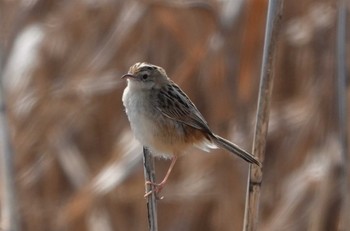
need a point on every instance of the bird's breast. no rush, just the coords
(153, 129)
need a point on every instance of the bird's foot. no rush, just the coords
(157, 188)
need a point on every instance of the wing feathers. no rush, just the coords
(175, 104)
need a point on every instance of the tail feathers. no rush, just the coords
(233, 148)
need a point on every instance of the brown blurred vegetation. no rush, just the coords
(77, 166)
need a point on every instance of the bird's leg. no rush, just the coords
(158, 187)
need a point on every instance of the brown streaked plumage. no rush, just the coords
(164, 119)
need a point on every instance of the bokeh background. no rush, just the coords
(76, 163)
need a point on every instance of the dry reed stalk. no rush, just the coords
(9, 219)
(262, 117)
(149, 171)
(342, 108)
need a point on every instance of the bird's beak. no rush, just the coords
(126, 76)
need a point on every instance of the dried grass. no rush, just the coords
(76, 165)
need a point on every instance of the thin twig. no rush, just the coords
(262, 118)
(342, 103)
(149, 171)
(9, 220)
(341, 76)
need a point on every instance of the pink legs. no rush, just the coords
(158, 187)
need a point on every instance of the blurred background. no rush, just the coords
(76, 163)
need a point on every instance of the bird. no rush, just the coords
(164, 119)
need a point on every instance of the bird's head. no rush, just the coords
(146, 76)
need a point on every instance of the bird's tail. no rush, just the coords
(235, 149)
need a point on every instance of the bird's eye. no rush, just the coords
(144, 76)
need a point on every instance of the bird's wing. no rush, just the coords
(173, 103)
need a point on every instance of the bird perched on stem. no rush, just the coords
(164, 119)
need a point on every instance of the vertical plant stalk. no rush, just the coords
(342, 105)
(9, 219)
(149, 171)
(262, 118)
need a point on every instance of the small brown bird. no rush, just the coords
(164, 119)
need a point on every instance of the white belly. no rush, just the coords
(146, 124)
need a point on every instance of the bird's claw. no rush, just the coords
(157, 188)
